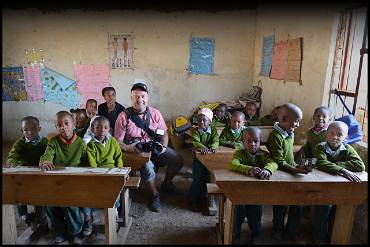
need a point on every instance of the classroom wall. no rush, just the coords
(314, 24)
(161, 41)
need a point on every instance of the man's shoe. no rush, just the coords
(155, 204)
(170, 188)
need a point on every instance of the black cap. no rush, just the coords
(139, 85)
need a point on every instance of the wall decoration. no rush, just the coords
(120, 51)
(13, 84)
(294, 60)
(266, 56)
(32, 79)
(35, 56)
(201, 56)
(279, 60)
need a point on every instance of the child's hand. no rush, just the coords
(213, 150)
(8, 165)
(204, 151)
(349, 175)
(46, 166)
(254, 171)
(264, 174)
(300, 169)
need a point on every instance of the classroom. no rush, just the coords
(179, 123)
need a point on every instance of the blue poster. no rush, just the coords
(13, 84)
(266, 58)
(201, 55)
(58, 88)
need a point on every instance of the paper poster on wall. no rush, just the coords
(34, 56)
(58, 88)
(201, 57)
(279, 60)
(294, 60)
(32, 80)
(91, 79)
(120, 51)
(13, 84)
(266, 56)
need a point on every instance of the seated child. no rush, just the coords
(221, 116)
(270, 119)
(250, 111)
(205, 139)
(89, 134)
(280, 145)
(231, 135)
(335, 157)
(27, 151)
(255, 162)
(80, 119)
(91, 108)
(65, 149)
(110, 109)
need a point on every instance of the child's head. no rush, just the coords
(221, 111)
(250, 109)
(237, 120)
(252, 139)
(205, 116)
(64, 123)
(289, 117)
(321, 117)
(274, 113)
(91, 107)
(336, 134)
(30, 127)
(109, 94)
(100, 127)
(79, 117)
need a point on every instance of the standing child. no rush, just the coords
(335, 157)
(205, 139)
(110, 109)
(254, 162)
(280, 145)
(250, 111)
(27, 151)
(91, 108)
(80, 119)
(65, 149)
(232, 136)
(221, 116)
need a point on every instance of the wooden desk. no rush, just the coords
(135, 160)
(315, 188)
(61, 189)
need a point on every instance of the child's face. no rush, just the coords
(237, 122)
(220, 112)
(91, 108)
(101, 129)
(30, 130)
(203, 122)
(65, 125)
(251, 142)
(335, 136)
(290, 122)
(110, 96)
(251, 110)
(321, 119)
(80, 120)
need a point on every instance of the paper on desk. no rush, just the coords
(78, 170)
(21, 169)
(117, 171)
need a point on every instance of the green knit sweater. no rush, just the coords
(109, 155)
(228, 138)
(313, 138)
(205, 140)
(281, 149)
(243, 161)
(62, 154)
(348, 159)
(23, 153)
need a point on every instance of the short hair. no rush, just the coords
(339, 124)
(251, 130)
(92, 100)
(322, 109)
(221, 105)
(251, 103)
(99, 119)
(238, 114)
(61, 114)
(31, 119)
(78, 110)
(106, 89)
(289, 108)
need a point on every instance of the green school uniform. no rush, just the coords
(313, 138)
(106, 154)
(27, 153)
(221, 123)
(205, 139)
(231, 137)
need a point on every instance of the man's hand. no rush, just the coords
(254, 171)
(46, 166)
(349, 175)
(264, 174)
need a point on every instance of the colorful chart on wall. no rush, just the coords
(32, 79)
(201, 56)
(279, 60)
(91, 79)
(58, 88)
(120, 51)
(34, 56)
(266, 57)
(13, 84)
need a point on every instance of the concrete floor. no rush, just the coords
(175, 223)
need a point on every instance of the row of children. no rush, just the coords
(325, 142)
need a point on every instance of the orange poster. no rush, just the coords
(279, 60)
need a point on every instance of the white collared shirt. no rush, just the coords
(104, 142)
(237, 132)
(281, 131)
(34, 142)
(209, 130)
(333, 153)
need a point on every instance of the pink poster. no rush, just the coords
(32, 78)
(279, 60)
(90, 80)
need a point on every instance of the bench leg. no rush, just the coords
(110, 225)
(126, 205)
(228, 230)
(9, 226)
(343, 222)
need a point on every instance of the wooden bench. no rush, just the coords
(131, 184)
(135, 160)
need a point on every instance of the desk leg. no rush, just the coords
(343, 222)
(228, 230)
(110, 226)
(126, 204)
(9, 226)
(220, 223)
(212, 208)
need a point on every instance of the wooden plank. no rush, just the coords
(110, 226)
(126, 203)
(9, 226)
(343, 222)
(135, 160)
(123, 231)
(228, 231)
(218, 160)
(214, 189)
(133, 182)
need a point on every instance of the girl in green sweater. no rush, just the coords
(231, 135)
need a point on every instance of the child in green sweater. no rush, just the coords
(335, 157)
(270, 119)
(221, 116)
(27, 151)
(280, 145)
(251, 117)
(206, 140)
(80, 118)
(231, 136)
(65, 149)
(254, 162)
